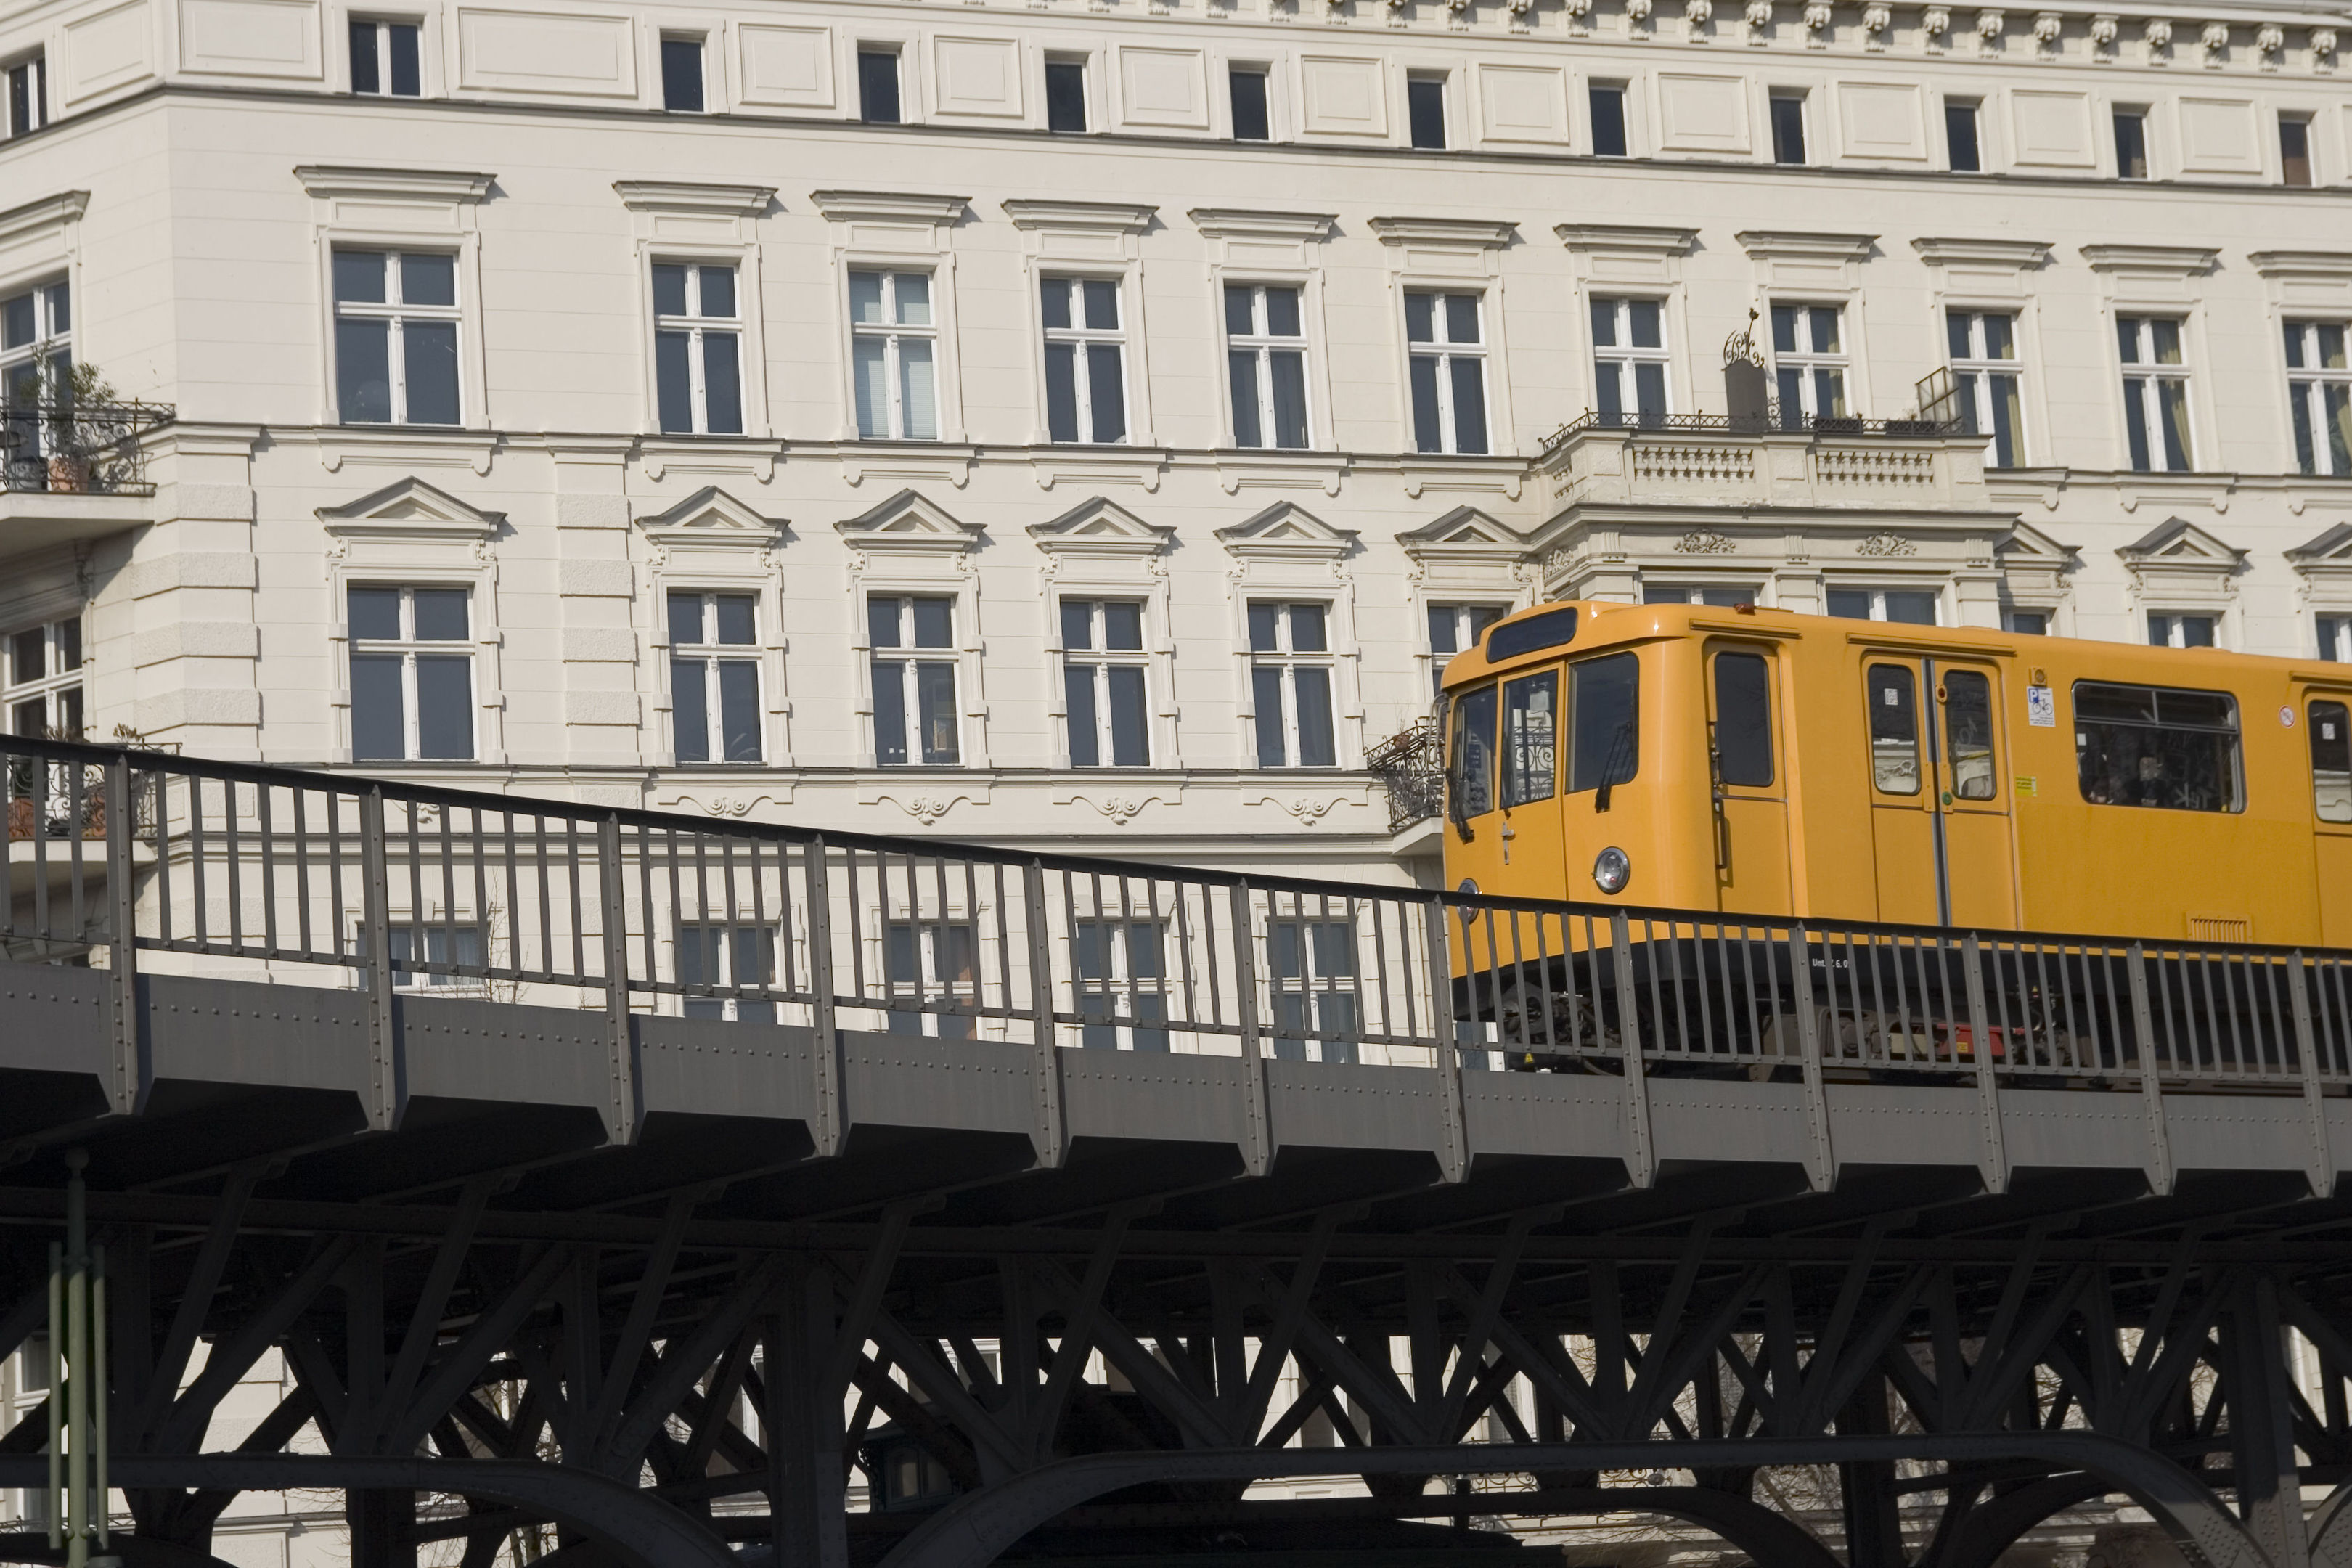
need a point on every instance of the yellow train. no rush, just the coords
(1759, 762)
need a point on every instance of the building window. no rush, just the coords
(2030, 623)
(1103, 678)
(931, 961)
(1961, 145)
(1788, 109)
(1808, 364)
(877, 86)
(2319, 395)
(1449, 372)
(36, 366)
(1246, 86)
(1902, 606)
(1290, 683)
(385, 59)
(1424, 103)
(697, 340)
(2336, 638)
(2155, 392)
(1455, 628)
(1315, 986)
(1985, 377)
(1121, 969)
(2131, 143)
(727, 957)
(28, 94)
(1681, 594)
(396, 337)
(1266, 357)
(1629, 360)
(2167, 629)
(412, 674)
(714, 677)
(1085, 395)
(2294, 150)
(444, 945)
(1608, 101)
(681, 69)
(914, 695)
(43, 694)
(1065, 95)
(897, 385)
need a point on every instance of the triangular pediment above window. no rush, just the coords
(2332, 548)
(1466, 533)
(2178, 543)
(1099, 526)
(1288, 531)
(710, 518)
(411, 509)
(912, 522)
(2028, 546)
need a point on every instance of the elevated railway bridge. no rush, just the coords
(647, 1179)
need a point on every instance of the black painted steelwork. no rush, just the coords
(654, 1288)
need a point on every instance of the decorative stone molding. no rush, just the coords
(57, 213)
(1817, 17)
(2325, 565)
(1940, 251)
(1759, 21)
(711, 519)
(1091, 217)
(692, 196)
(1875, 21)
(1696, 14)
(2334, 266)
(2270, 38)
(1099, 527)
(1886, 544)
(910, 523)
(2049, 33)
(1241, 223)
(411, 510)
(2215, 41)
(1990, 24)
(888, 206)
(331, 181)
(1637, 17)
(1288, 531)
(1791, 245)
(2157, 34)
(2323, 48)
(2165, 260)
(1935, 27)
(2104, 31)
(1621, 239)
(1704, 542)
(1452, 232)
(2178, 562)
(1464, 537)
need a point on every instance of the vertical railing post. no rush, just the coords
(1641, 1155)
(129, 1086)
(1992, 1159)
(2322, 1167)
(1050, 1134)
(621, 1121)
(1821, 1155)
(827, 1127)
(2151, 1089)
(385, 1089)
(1453, 1132)
(1257, 1131)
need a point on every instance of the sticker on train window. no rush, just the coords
(2040, 708)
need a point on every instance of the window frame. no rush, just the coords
(936, 334)
(408, 646)
(2176, 626)
(1974, 108)
(706, 96)
(380, 24)
(1624, 91)
(906, 655)
(1878, 592)
(696, 325)
(1724, 595)
(47, 344)
(1262, 346)
(732, 930)
(1264, 71)
(2308, 124)
(1803, 98)
(1442, 83)
(1081, 62)
(2333, 633)
(1103, 658)
(1464, 615)
(712, 653)
(895, 51)
(2307, 388)
(1808, 364)
(1979, 399)
(397, 313)
(1619, 360)
(57, 682)
(2143, 115)
(1443, 351)
(35, 109)
(1080, 337)
(2153, 373)
(1287, 660)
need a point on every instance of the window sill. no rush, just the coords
(400, 446)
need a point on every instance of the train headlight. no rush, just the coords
(1612, 869)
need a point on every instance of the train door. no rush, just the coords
(1747, 779)
(2327, 729)
(1530, 786)
(1941, 827)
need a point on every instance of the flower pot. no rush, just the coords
(70, 476)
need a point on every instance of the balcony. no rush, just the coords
(1410, 764)
(1714, 459)
(71, 472)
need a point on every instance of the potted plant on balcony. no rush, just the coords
(73, 386)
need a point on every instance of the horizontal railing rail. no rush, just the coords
(1772, 422)
(122, 859)
(79, 448)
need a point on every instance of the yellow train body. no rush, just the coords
(1759, 762)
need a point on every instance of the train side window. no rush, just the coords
(1743, 719)
(1893, 728)
(2146, 745)
(1967, 733)
(1472, 773)
(2331, 761)
(1605, 711)
(1530, 738)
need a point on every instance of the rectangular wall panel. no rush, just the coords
(1523, 103)
(977, 76)
(107, 50)
(789, 67)
(2052, 129)
(1702, 113)
(1166, 88)
(2218, 137)
(1882, 120)
(1341, 96)
(250, 38)
(530, 51)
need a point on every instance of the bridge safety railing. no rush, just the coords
(131, 859)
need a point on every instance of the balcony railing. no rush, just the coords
(1412, 764)
(1769, 423)
(79, 448)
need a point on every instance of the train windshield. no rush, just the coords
(1605, 715)
(1470, 782)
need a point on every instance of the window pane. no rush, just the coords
(1077, 623)
(69, 644)
(1130, 744)
(1461, 318)
(1062, 392)
(2135, 421)
(1311, 689)
(870, 371)
(1784, 329)
(2331, 347)
(1910, 608)
(889, 712)
(735, 618)
(1421, 318)
(2008, 419)
(877, 86)
(1604, 323)
(359, 277)
(723, 386)
(1788, 129)
(428, 280)
(440, 614)
(918, 402)
(1824, 320)
(1967, 733)
(2196, 631)
(1288, 369)
(1469, 406)
(1530, 738)
(406, 81)
(865, 298)
(1648, 323)
(1307, 629)
(1265, 622)
(681, 66)
(364, 372)
(363, 64)
(1102, 305)
(1249, 106)
(934, 623)
(1281, 313)
(2166, 334)
(1961, 137)
(1609, 390)
(2131, 147)
(1604, 708)
(431, 363)
(377, 733)
(1650, 392)
(935, 703)
(1471, 763)
(374, 612)
(1427, 437)
(1238, 322)
(1894, 704)
(738, 709)
(684, 619)
(1266, 693)
(1241, 369)
(2173, 399)
(1849, 603)
(1955, 334)
(718, 290)
(2295, 333)
(1609, 121)
(1123, 626)
(673, 382)
(1743, 719)
(444, 705)
(1106, 394)
(2339, 428)
(1078, 694)
(1053, 301)
(2000, 337)
(689, 709)
(1065, 96)
(1425, 111)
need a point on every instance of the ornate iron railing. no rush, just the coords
(79, 448)
(1769, 423)
(1410, 764)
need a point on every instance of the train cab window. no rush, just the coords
(1968, 733)
(2146, 746)
(1472, 781)
(1605, 715)
(2331, 761)
(1893, 728)
(1743, 720)
(1530, 738)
